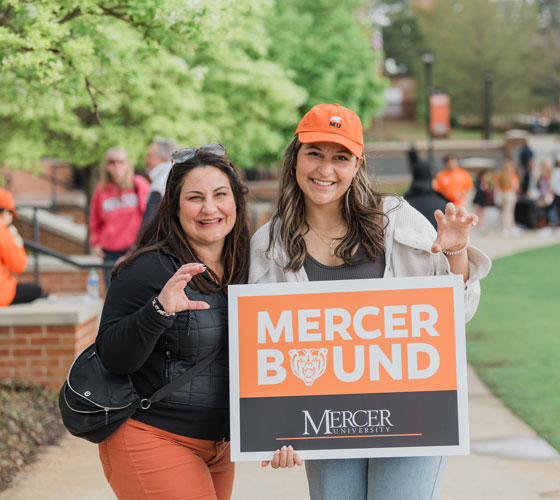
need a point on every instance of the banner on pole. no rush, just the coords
(354, 368)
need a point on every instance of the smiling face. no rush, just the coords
(324, 171)
(207, 209)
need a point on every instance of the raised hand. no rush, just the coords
(453, 228)
(173, 297)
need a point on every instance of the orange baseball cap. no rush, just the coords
(7, 201)
(332, 123)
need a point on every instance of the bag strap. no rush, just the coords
(182, 379)
(192, 372)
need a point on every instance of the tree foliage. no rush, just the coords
(81, 76)
(470, 37)
(402, 37)
(546, 84)
(327, 49)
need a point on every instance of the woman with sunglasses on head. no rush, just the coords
(116, 209)
(166, 312)
(331, 224)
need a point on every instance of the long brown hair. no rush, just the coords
(165, 231)
(506, 175)
(361, 211)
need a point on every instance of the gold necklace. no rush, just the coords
(332, 242)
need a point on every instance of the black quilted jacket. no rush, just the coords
(133, 338)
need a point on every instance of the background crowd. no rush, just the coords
(525, 194)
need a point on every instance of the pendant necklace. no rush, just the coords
(329, 244)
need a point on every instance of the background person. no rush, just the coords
(482, 195)
(453, 182)
(116, 209)
(555, 186)
(158, 165)
(545, 199)
(12, 257)
(421, 195)
(526, 156)
(154, 330)
(331, 224)
(507, 185)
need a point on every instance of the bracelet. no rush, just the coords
(461, 250)
(160, 310)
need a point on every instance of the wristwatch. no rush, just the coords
(160, 310)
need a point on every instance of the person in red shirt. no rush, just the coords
(453, 182)
(116, 210)
(12, 257)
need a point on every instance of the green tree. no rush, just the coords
(470, 37)
(547, 49)
(325, 45)
(79, 77)
(402, 38)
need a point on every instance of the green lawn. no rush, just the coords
(514, 340)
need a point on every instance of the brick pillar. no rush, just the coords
(39, 341)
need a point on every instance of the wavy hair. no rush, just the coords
(361, 211)
(165, 231)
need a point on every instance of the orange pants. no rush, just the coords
(143, 462)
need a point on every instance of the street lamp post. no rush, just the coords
(488, 80)
(428, 60)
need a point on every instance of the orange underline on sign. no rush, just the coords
(346, 437)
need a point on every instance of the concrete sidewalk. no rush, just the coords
(508, 460)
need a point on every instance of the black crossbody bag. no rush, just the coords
(94, 402)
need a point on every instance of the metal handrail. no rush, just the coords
(36, 248)
(35, 220)
(54, 207)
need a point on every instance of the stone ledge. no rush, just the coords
(57, 224)
(70, 310)
(48, 263)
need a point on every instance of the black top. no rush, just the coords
(133, 338)
(362, 270)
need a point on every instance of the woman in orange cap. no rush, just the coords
(330, 224)
(12, 257)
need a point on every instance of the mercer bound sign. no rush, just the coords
(358, 368)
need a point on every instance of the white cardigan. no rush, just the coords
(408, 241)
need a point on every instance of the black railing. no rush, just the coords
(54, 208)
(36, 248)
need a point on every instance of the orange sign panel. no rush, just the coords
(347, 343)
(353, 368)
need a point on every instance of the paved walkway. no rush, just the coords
(507, 461)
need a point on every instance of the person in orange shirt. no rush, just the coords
(12, 257)
(453, 182)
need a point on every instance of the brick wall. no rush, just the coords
(49, 239)
(42, 354)
(76, 215)
(63, 281)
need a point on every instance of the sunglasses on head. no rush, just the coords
(182, 155)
